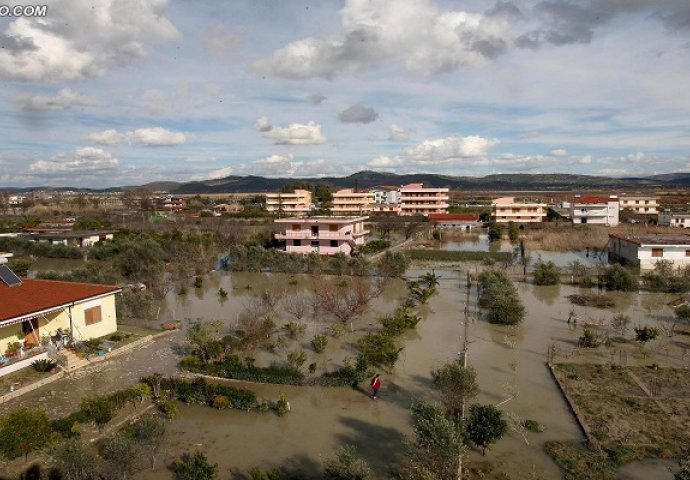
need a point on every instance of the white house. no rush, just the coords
(668, 219)
(596, 210)
(646, 251)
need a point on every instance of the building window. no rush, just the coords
(334, 243)
(687, 253)
(297, 243)
(332, 227)
(92, 315)
(296, 227)
(657, 252)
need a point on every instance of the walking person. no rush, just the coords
(376, 385)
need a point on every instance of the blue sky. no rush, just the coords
(121, 92)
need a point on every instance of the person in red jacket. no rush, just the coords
(376, 385)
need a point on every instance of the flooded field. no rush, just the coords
(510, 362)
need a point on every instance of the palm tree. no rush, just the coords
(430, 279)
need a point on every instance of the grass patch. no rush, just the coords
(579, 461)
(596, 300)
(457, 256)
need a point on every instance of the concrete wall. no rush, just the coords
(107, 325)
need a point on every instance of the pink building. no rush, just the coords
(417, 200)
(323, 235)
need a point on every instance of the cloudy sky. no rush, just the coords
(113, 92)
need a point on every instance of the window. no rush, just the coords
(296, 227)
(334, 243)
(297, 243)
(92, 315)
(333, 227)
(687, 253)
(657, 252)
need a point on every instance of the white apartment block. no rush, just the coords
(297, 203)
(668, 219)
(389, 196)
(595, 210)
(646, 251)
(417, 200)
(506, 209)
(642, 205)
(348, 202)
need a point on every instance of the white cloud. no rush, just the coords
(559, 152)
(284, 165)
(397, 133)
(77, 39)
(293, 134)
(107, 137)
(220, 173)
(416, 33)
(448, 149)
(64, 99)
(316, 99)
(150, 137)
(84, 160)
(158, 137)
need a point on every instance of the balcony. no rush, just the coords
(307, 235)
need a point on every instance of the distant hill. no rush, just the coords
(368, 179)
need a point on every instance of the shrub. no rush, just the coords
(98, 409)
(499, 296)
(401, 320)
(393, 264)
(319, 343)
(121, 455)
(646, 333)
(374, 246)
(198, 281)
(295, 329)
(220, 402)
(617, 277)
(348, 375)
(149, 432)
(194, 467)
(75, 460)
(457, 384)
(620, 323)
(546, 273)
(346, 465)
(282, 405)
(596, 300)
(93, 344)
(533, 426)
(24, 431)
(296, 359)
(43, 365)
(495, 232)
(485, 425)
(378, 348)
(513, 232)
(589, 339)
(168, 408)
(222, 293)
(276, 473)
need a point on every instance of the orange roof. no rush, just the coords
(35, 295)
(591, 200)
(471, 217)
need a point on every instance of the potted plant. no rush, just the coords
(13, 349)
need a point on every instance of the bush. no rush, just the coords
(458, 256)
(592, 300)
(24, 431)
(194, 467)
(296, 359)
(500, 298)
(220, 402)
(393, 264)
(646, 333)
(378, 348)
(485, 425)
(282, 405)
(319, 343)
(617, 277)
(346, 465)
(533, 426)
(43, 365)
(348, 375)
(75, 460)
(513, 232)
(495, 232)
(202, 393)
(403, 319)
(374, 246)
(589, 339)
(98, 409)
(295, 329)
(457, 384)
(546, 273)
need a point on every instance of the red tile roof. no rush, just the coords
(470, 217)
(591, 200)
(37, 295)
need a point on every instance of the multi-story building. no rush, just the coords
(168, 203)
(295, 203)
(669, 219)
(386, 195)
(322, 235)
(646, 251)
(417, 200)
(348, 202)
(506, 209)
(642, 205)
(596, 210)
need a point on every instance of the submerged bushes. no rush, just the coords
(499, 298)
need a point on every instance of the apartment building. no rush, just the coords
(322, 235)
(169, 203)
(349, 202)
(386, 195)
(295, 203)
(595, 210)
(506, 209)
(417, 200)
(642, 205)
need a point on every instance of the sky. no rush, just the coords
(124, 92)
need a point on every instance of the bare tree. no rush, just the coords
(347, 302)
(297, 305)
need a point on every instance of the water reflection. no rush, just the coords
(546, 293)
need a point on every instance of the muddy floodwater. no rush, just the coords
(510, 362)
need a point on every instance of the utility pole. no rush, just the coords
(465, 345)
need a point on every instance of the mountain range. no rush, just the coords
(368, 179)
